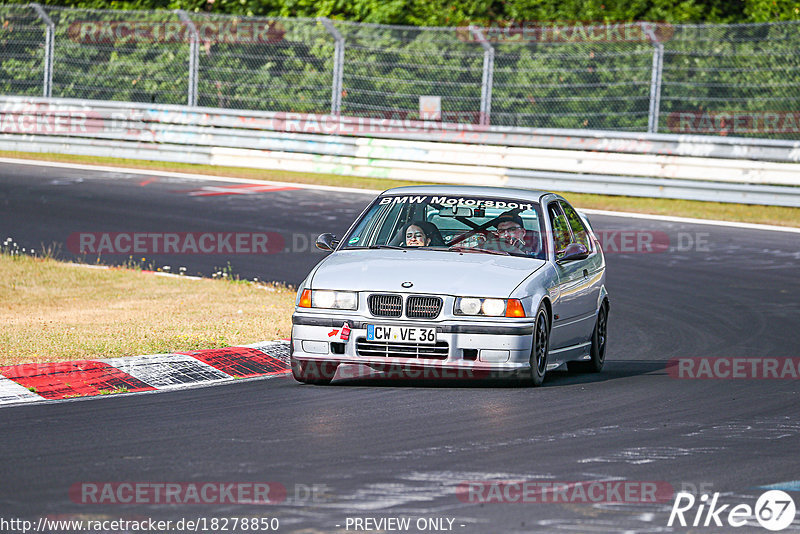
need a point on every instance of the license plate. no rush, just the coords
(401, 334)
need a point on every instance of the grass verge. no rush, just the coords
(54, 311)
(774, 215)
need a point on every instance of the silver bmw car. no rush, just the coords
(455, 281)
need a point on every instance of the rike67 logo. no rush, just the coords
(774, 510)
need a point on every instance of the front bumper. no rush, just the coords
(498, 346)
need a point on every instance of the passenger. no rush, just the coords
(416, 236)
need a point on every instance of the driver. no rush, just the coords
(510, 232)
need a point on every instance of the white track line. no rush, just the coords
(372, 192)
(188, 176)
(689, 220)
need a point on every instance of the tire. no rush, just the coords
(313, 372)
(539, 349)
(598, 349)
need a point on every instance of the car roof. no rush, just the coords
(471, 190)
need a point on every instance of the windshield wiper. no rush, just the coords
(456, 248)
(392, 247)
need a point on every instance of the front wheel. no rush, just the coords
(540, 348)
(313, 372)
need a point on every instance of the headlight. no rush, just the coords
(493, 307)
(489, 307)
(335, 300)
(468, 306)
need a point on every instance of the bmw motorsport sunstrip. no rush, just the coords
(493, 281)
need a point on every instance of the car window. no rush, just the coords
(561, 235)
(579, 233)
(447, 222)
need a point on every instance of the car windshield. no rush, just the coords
(461, 224)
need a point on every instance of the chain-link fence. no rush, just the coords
(23, 49)
(739, 80)
(265, 64)
(90, 62)
(387, 68)
(595, 77)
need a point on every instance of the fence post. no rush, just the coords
(487, 78)
(47, 83)
(655, 78)
(338, 65)
(194, 53)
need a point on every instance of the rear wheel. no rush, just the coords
(313, 372)
(540, 348)
(598, 349)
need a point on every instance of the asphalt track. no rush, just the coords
(379, 449)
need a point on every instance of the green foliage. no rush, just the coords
(21, 65)
(448, 12)
(771, 10)
(583, 80)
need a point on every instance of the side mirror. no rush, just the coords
(327, 242)
(574, 252)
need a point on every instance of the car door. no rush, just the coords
(573, 309)
(592, 269)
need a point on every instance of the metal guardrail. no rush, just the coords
(654, 165)
(297, 123)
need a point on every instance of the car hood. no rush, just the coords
(431, 271)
